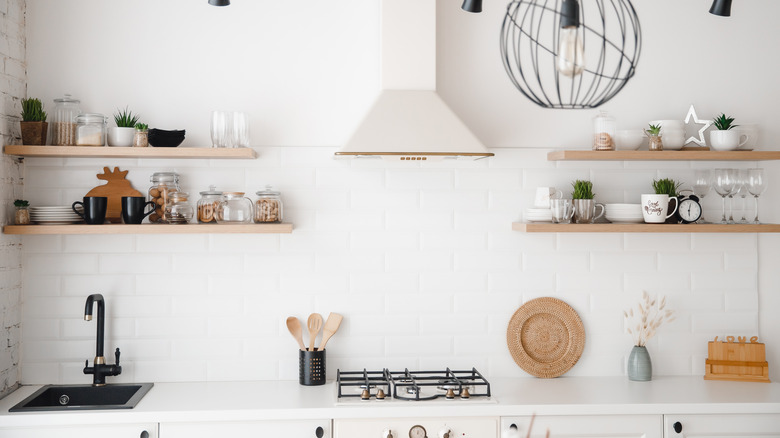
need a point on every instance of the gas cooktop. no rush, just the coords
(385, 385)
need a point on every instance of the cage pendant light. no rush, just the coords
(570, 54)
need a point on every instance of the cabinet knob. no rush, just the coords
(319, 432)
(677, 427)
(387, 433)
(144, 434)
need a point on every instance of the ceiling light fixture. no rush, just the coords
(472, 5)
(565, 55)
(721, 7)
(219, 2)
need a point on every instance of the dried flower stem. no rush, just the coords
(651, 314)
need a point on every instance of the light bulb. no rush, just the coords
(571, 53)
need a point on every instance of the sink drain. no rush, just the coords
(64, 399)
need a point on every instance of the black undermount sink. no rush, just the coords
(83, 397)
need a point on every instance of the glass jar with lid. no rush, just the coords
(207, 205)
(234, 208)
(91, 129)
(179, 210)
(163, 185)
(63, 121)
(268, 207)
(604, 132)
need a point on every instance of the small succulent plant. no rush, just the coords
(125, 118)
(666, 186)
(32, 110)
(654, 130)
(141, 126)
(21, 203)
(723, 123)
(582, 190)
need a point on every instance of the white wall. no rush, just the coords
(13, 86)
(420, 260)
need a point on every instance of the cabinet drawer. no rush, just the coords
(580, 426)
(248, 429)
(722, 426)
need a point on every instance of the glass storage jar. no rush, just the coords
(179, 210)
(163, 185)
(268, 207)
(604, 132)
(62, 129)
(207, 205)
(234, 208)
(91, 130)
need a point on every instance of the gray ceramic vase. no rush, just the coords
(640, 368)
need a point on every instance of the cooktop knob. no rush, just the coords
(365, 395)
(465, 393)
(387, 433)
(450, 394)
(380, 394)
(445, 433)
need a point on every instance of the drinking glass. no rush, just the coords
(739, 182)
(724, 184)
(221, 129)
(742, 192)
(701, 187)
(756, 184)
(240, 137)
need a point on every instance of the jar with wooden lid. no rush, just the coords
(268, 207)
(234, 208)
(63, 121)
(604, 132)
(163, 185)
(91, 130)
(207, 205)
(179, 210)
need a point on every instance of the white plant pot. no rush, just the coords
(727, 140)
(122, 137)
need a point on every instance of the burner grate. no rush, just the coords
(414, 385)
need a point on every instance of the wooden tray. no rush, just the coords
(736, 361)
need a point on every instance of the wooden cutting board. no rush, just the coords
(116, 187)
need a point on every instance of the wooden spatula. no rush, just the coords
(294, 326)
(331, 326)
(315, 324)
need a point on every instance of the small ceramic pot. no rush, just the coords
(122, 137)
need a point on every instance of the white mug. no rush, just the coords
(654, 208)
(544, 194)
(727, 140)
(673, 139)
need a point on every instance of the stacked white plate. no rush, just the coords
(625, 213)
(538, 214)
(54, 215)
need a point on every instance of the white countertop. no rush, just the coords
(283, 400)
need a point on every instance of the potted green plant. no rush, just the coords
(654, 138)
(123, 133)
(668, 186)
(584, 206)
(723, 138)
(141, 137)
(33, 124)
(22, 212)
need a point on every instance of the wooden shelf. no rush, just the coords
(542, 227)
(150, 229)
(585, 155)
(128, 152)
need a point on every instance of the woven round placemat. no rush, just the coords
(545, 337)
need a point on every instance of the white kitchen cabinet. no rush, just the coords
(460, 427)
(144, 430)
(722, 426)
(248, 429)
(579, 426)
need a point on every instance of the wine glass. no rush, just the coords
(701, 187)
(742, 179)
(756, 184)
(724, 184)
(739, 182)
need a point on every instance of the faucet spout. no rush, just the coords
(99, 370)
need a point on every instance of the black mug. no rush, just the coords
(94, 209)
(133, 209)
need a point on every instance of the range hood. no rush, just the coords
(409, 121)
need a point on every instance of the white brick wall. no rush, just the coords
(421, 261)
(13, 86)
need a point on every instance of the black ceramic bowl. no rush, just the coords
(165, 139)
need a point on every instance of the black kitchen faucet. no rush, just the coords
(100, 370)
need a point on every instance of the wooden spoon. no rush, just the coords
(315, 324)
(294, 326)
(331, 326)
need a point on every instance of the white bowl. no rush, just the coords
(629, 139)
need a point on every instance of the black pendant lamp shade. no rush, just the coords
(721, 7)
(219, 2)
(472, 5)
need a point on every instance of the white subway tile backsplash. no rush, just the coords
(623, 262)
(83, 285)
(419, 179)
(133, 264)
(448, 282)
(171, 327)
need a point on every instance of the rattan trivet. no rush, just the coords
(545, 337)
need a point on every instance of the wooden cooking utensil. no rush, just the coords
(315, 324)
(117, 187)
(294, 326)
(331, 326)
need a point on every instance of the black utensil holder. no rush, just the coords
(311, 367)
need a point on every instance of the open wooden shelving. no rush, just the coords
(128, 152)
(282, 228)
(590, 155)
(546, 227)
